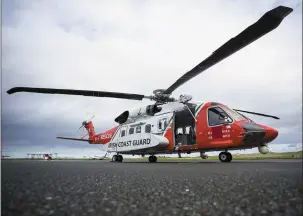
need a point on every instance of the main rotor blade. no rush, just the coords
(77, 92)
(254, 113)
(268, 22)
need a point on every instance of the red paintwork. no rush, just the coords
(101, 138)
(271, 133)
(220, 139)
(90, 129)
(217, 132)
(169, 135)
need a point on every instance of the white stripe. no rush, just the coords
(197, 113)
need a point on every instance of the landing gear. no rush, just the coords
(114, 158)
(225, 157)
(230, 157)
(152, 159)
(179, 154)
(117, 158)
(203, 155)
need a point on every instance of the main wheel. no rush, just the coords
(120, 158)
(230, 156)
(224, 157)
(114, 158)
(152, 159)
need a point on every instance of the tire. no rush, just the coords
(224, 157)
(120, 158)
(230, 157)
(152, 159)
(114, 158)
(155, 159)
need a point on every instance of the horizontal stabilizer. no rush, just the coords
(76, 139)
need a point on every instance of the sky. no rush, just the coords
(136, 47)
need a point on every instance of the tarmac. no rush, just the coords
(198, 187)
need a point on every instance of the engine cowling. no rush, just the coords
(138, 112)
(143, 111)
(263, 149)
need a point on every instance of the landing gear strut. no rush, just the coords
(152, 159)
(117, 158)
(179, 154)
(225, 157)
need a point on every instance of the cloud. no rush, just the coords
(139, 46)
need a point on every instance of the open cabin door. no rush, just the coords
(185, 126)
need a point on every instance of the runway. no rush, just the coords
(271, 187)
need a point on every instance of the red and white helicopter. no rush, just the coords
(177, 125)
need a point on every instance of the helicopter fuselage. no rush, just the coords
(188, 128)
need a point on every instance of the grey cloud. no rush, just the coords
(25, 134)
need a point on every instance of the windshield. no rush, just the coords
(245, 117)
(236, 116)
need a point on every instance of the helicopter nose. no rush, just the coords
(253, 133)
(271, 134)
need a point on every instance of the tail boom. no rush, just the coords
(93, 138)
(104, 137)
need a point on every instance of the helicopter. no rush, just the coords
(177, 125)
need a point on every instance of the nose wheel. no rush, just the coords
(152, 159)
(117, 158)
(225, 157)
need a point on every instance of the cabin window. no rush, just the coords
(165, 123)
(131, 130)
(147, 128)
(138, 129)
(123, 133)
(217, 116)
(162, 124)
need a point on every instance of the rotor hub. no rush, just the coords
(159, 91)
(160, 97)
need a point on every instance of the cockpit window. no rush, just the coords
(235, 115)
(217, 116)
(245, 117)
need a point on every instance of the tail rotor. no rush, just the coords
(84, 123)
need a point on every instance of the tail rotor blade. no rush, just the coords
(82, 137)
(92, 118)
(82, 132)
(79, 128)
